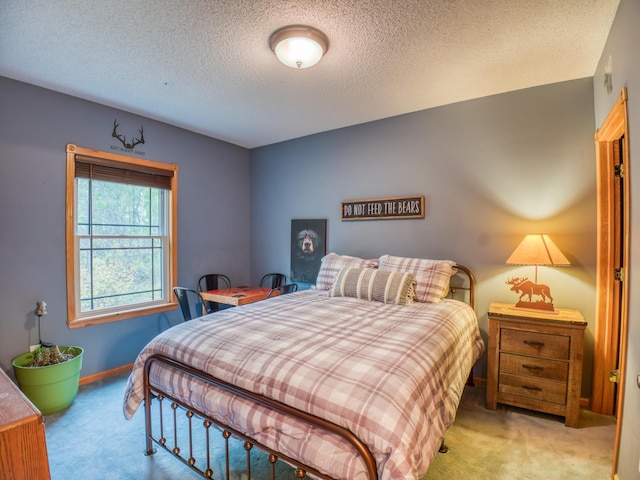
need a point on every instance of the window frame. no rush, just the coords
(74, 318)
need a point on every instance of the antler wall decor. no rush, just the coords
(123, 139)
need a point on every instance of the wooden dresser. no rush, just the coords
(23, 449)
(535, 360)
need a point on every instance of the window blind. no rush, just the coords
(111, 171)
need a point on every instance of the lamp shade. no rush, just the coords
(537, 250)
(299, 46)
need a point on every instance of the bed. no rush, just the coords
(354, 379)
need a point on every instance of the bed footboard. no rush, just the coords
(152, 393)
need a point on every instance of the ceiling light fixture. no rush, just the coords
(299, 46)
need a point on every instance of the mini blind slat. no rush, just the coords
(109, 171)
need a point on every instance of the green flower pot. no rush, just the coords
(52, 388)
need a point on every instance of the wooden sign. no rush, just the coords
(383, 208)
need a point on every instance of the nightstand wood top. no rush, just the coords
(563, 315)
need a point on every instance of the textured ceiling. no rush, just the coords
(205, 65)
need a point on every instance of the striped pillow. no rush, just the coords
(432, 276)
(373, 284)
(331, 265)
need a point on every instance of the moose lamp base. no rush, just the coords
(540, 306)
(529, 290)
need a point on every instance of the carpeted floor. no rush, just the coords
(512, 443)
(92, 439)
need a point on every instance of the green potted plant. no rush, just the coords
(49, 375)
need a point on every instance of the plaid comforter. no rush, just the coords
(391, 374)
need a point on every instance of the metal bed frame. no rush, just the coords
(167, 436)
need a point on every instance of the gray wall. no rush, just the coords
(36, 126)
(492, 170)
(622, 45)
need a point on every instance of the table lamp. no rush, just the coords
(535, 250)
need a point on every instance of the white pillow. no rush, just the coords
(332, 263)
(374, 284)
(432, 276)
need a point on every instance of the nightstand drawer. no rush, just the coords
(534, 343)
(535, 388)
(534, 367)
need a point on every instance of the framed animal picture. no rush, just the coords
(308, 246)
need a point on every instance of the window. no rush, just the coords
(121, 236)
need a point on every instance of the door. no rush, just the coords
(610, 279)
(612, 157)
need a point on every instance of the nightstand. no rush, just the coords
(535, 360)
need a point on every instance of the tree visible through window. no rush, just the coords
(120, 236)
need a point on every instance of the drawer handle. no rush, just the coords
(529, 387)
(534, 368)
(533, 344)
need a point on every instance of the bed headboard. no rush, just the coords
(463, 280)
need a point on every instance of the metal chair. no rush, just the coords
(191, 303)
(284, 289)
(288, 288)
(213, 281)
(273, 280)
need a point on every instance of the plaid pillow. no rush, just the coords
(432, 276)
(374, 284)
(333, 263)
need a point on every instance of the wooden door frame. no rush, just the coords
(614, 128)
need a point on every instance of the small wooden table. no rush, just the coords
(238, 295)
